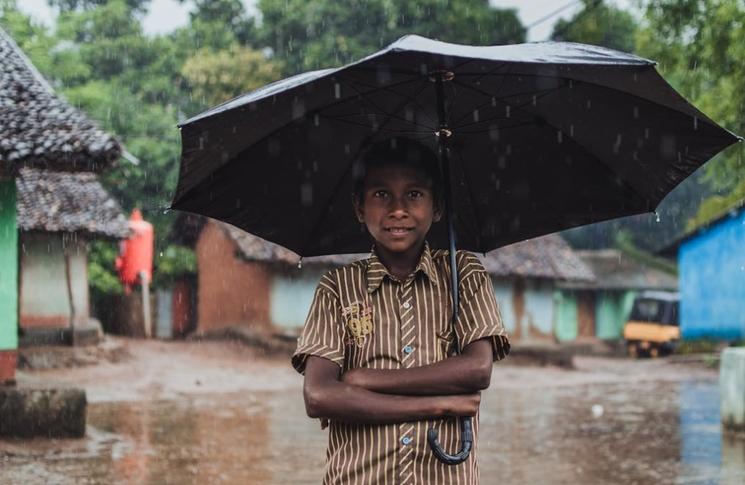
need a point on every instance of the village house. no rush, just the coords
(244, 281)
(57, 215)
(711, 265)
(599, 308)
(38, 130)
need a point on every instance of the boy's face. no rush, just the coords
(397, 206)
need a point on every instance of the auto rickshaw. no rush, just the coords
(653, 327)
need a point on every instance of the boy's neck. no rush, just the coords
(400, 265)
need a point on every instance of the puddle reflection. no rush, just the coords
(644, 433)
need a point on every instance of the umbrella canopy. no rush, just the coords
(545, 136)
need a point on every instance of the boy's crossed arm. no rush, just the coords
(446, 388)
(468, 372)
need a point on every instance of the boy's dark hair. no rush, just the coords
(402, 152)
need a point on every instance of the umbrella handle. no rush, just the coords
(466, 438)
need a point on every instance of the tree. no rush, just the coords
(598, 24)
(216, 76)
(323, 33)
(700, 46)
(139, 6)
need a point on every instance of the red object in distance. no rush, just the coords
(136, 252)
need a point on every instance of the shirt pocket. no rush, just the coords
(444, 343)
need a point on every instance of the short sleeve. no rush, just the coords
(479, 316)
(323, 334)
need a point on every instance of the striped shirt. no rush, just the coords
(362, 316)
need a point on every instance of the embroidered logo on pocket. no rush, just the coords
(358, 319)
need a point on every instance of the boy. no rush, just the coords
(375, 349)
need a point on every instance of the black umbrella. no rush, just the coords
(533, 138)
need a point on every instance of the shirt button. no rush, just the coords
(406, 440)
(408, 349)
(407, 305)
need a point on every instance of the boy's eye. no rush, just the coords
(380, 193)
(415, 194)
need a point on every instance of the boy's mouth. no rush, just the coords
(398, 230)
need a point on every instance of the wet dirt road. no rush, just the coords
(209, 414)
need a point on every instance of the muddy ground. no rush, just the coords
(216, 412)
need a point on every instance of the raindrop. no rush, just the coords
(237, 203)
(347, 149)
(316, 119)
(201, 143)
(494, 132)
(508, 149)
(306, 194)
(337, 90)
(300, 263)
(617, 144)
(507, 111)
(493, 101)
(695, 122)
(636, 112)
(559, 136)
(646, 133)
(571, 130)
(589, 103)
(476, 115)
(535, 100)
(571, 83)
(409, 114)
(656, 216)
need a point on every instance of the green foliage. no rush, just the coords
(717, 206)
(625, 244)
(173, 263)
(102, 276)
(323, 33)
(216, 76)
(598, 24)
(700, 46)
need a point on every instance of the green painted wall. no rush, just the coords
(8, 266)
(566, 315)
(612, 309)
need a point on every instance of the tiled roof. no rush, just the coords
(37, 128)
(547, 257)
(67, 202)
(254, 248)
(616, 271)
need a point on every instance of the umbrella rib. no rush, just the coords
(502, 100)
(626, 182)
(383, 112)
(507, 127)
(391, 90)
(517, 106)
(344, 119)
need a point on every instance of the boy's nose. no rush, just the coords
(397, 208)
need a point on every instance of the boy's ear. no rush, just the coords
(358, 208)
(437, 211)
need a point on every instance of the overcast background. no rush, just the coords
(166, 15)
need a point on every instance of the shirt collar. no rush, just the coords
(376, 271)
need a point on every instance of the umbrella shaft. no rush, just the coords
(444, 155)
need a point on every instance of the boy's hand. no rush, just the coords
(461, 404)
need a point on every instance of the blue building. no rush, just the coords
(711, 264)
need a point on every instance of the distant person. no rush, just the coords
(376, 346)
